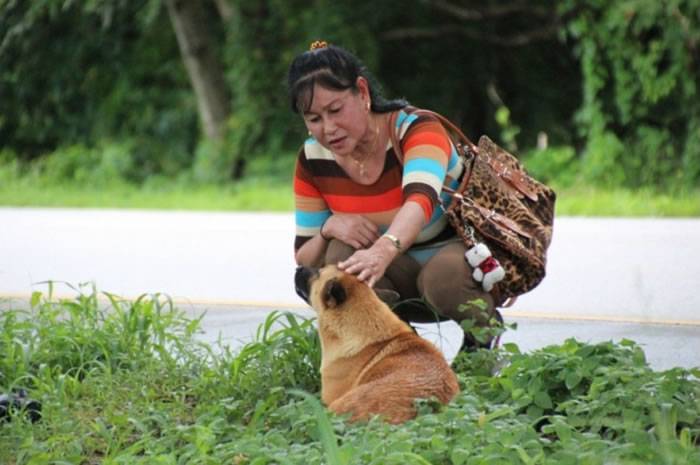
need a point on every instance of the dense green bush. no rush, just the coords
(106, 163)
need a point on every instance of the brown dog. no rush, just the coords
(372, 362)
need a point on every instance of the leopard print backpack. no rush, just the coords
(499, 204)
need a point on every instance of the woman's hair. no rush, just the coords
(332, 68)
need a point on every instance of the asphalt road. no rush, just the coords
(665, 346)
(607, 278)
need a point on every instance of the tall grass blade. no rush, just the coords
(329, 441)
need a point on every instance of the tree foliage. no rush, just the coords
(82, 72)
(610, 85)
(640, 63)
(261, 38)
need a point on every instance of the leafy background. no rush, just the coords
(96, 91)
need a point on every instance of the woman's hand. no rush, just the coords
(370, 264)
(355, 230)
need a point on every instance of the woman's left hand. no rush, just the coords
(369, 264)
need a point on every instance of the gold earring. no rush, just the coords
(368, 106)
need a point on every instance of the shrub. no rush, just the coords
(107, 163)
(553, 165)
(602, 161)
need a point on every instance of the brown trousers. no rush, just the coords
(444, 285)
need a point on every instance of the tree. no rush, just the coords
(190, 19)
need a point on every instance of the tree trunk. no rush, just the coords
(189, 20)
(225, 9)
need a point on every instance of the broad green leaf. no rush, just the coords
(459, 456)
(36, 298)
(573, 378)
(511, 348)
(543, 400)
(437, 443)
(563, 431)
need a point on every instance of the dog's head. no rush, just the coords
(348, 310)
(326, 288)
(305, 275)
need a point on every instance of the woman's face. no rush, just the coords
(338, 120)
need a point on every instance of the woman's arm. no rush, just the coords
(370, 264)
(352, 229)
(311, 253)
(427, 151)
(311, 214)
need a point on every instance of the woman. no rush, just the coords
(360, 207)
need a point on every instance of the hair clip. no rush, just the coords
(318, 44)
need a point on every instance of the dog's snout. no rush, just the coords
(301, 281)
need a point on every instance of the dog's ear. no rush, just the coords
(334, 293)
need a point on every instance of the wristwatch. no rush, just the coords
(394, 240)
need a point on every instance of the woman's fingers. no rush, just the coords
(351, 265)
(368, 232)
(367, 239)
(346, 264)
(372, 280)
(372, 230)
(365, 276)
(358, 231)
(355, 267)
(366, 265)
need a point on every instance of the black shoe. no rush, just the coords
(17, 401)
(470, 344)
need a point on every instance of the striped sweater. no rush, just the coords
(321, 186)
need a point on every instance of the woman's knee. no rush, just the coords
(446, 283)
(337, 251)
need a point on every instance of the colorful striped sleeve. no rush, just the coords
(427, 155)
(310, 209)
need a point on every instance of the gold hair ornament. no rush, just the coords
(317, 45)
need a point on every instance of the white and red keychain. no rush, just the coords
(487, 270)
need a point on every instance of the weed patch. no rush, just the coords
(128, 382)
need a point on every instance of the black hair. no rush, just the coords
(332, 68)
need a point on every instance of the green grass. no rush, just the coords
(128, 382)
(268, 187)
(626, 203)
(275, 194)
(258, 195)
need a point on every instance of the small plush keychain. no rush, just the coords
(487, 270)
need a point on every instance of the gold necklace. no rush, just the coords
(361, 161)
(361, 165)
